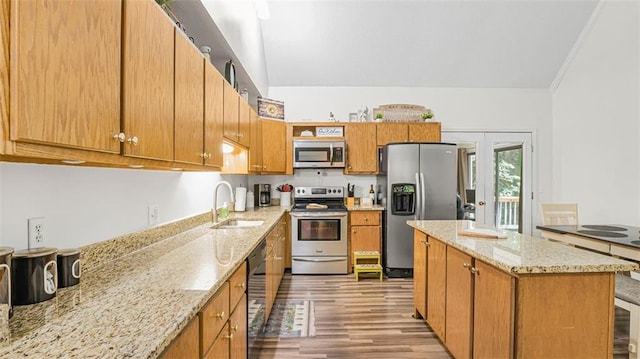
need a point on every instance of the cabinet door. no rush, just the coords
(244, 122)
(185, 346)
(436, 285)
(213, 318)
(424, 132)
(238, 331)
(148, 65)
(213, 115)
(420, 274)
(391, 132)
(459, 311)
(255, 147)
(365, 238)
(221, 348)
(231, 103)
(189, 105)
(237, 285)
(361, 148)
(493, 319)
(65, 75)
(273, 146)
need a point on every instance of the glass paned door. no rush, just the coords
(494, 177)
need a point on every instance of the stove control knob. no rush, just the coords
(339, 191)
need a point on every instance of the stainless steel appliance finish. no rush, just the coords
(419, 180)
(262, 195)
(256, 294)
(319, 231)
(319, 154)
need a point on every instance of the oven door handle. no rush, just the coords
(334, 259)
(319, 214)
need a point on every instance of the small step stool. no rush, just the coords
(366, 268)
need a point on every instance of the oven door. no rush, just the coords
(319, 234)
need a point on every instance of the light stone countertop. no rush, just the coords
(134, 306)
(374, 207)
(521, 254)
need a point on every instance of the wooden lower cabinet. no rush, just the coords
(223, 321)
(185, 346)
(459, 313)
(436, 285)
(420, 274)
(481, 311)
(493, 317)
(365, 232)
(275, 263)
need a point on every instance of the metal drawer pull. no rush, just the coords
(220, 315)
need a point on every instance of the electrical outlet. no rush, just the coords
(36, 232)
(152, 215)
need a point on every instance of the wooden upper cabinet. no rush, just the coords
(244, 122)
(361, 148)
(148, 67)
(424, 132)
(213, 115)
(273, 146)
(231, 103)
(391, 132)
(255, 147)
(189, 102)
(65, 73)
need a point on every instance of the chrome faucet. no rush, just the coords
(215, 198)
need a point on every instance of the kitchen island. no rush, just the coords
(517, 296)
(136, 305)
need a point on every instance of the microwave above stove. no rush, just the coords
(319, 154)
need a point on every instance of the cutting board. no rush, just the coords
(482, 233)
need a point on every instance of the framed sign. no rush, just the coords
(329, 132)
(269, 108)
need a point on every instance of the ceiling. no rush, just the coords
(428, 43)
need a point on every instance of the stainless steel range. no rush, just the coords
(319, 231)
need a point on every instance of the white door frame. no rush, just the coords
(484, 171)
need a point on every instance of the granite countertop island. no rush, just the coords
(135, 305)
(519, 253)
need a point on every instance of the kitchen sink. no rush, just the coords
(239, 223)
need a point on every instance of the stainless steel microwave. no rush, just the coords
(319, 154)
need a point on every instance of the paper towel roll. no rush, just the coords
(241, 199)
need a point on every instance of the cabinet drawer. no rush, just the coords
(237, 285)
(365, 218)
(185, 346)
(213, 317)
(220, 349)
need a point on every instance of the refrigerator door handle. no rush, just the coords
(418, 199)
(423, 198)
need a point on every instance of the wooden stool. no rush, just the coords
(369, 267)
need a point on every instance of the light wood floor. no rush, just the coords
(371, 319)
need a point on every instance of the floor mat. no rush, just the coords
(291, 318)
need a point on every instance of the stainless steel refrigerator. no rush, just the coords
(419, 182)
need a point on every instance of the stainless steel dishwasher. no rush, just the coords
(256, 293)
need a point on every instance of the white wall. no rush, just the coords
(84, 205)
(596, 121)
(241, 28)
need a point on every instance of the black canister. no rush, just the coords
(35, 275)
(69, 270)
(5, 282)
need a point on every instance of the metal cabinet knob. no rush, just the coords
(220, 315)
(230, 336)
(466, 265)
(133, 140)
(240, 285)
(481, 203)
(474, 270)
(120, 137)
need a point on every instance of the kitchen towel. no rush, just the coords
(241, 199)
